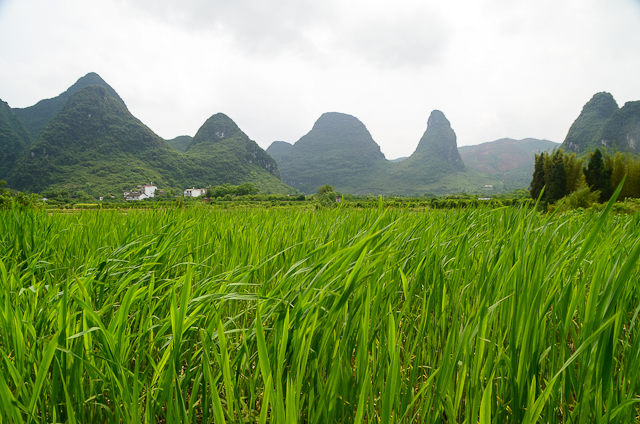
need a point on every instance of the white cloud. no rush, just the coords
(496, 68)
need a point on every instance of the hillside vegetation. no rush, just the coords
(180, 143)
(225, 154)
(278, 149)
(622, 129)
(95, 145)
(510, 160)
(340, 151)
(586, 131)
(36, 117)
(14, 139)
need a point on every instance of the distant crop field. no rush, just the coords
(330, 316)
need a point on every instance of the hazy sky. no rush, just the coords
(496, 68)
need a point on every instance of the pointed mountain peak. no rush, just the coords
(601, 103)
(437, 118)
(36, 117)
(217, 128)
(438, 143)
(91, 79)
(586, 130)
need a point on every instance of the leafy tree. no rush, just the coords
(573, 170)
(325, 189)
(246, 189)
(621, 165)
(537, 182)
(581, 198)
(220, 191)
(598, 177)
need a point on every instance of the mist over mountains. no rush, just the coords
(86, 139)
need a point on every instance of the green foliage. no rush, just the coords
(14, 139)
(95, 145)
(328, 316)
(10, 199)
(228, 190)
(573, 167)
(622, 130)
(624, 165)
(582, 198)
(509, 159)
(180, 143)
(538, 180)
(36, 117)
(340, 151)
(598, 177)
(587, 130)
(555, 177)
(327, 188)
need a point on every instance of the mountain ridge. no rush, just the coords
(14, 139)
(96, 145)
(318, 158)
(36, 117)
(586, 131)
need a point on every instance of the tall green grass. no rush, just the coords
(350, 316)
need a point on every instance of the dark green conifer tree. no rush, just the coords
(556, 179)
(598, 176)
(537, 182)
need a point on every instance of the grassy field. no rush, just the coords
(337, 315)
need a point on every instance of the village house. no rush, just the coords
(141, 192)
(194, 192)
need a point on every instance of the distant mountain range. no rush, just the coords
(180, 143)
(340, 151)
(86, 139)
(510, 160)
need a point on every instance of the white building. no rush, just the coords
(143, 192)
(194, 192)
(149, 190)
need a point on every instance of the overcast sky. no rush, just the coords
(496, 68)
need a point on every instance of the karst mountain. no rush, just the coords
(94, 144)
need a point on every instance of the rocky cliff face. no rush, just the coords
(586, 131)
(622, 130)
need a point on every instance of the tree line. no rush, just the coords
(592, 178)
